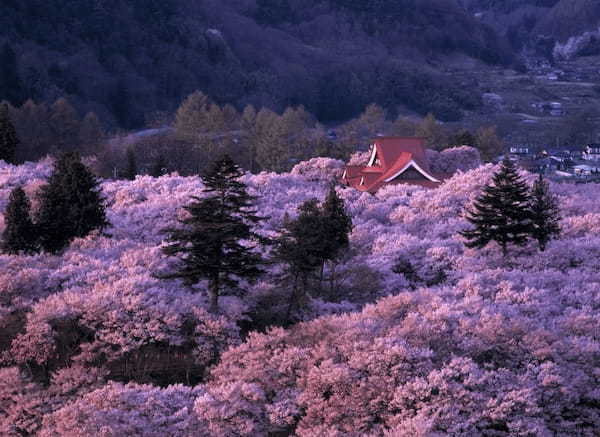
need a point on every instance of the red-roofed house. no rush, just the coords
(394, 160)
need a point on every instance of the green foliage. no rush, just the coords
(435, 134)
(71, 205)
(501, 213)
(19, 234)
(213, 243)
(317, 235)
(545, 213)
(272, 149)
(337, 225)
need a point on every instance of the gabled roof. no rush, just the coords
(390, 158)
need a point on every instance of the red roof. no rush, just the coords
(391, 158)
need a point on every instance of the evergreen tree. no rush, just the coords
(501, 212)
(71, 205)
(8, 136)
(300, 247)
(337, 226)
(317, 235)
(131, 171)
(19, 234)
(545, 214)
(211, 243)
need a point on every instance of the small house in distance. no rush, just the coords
(393, 160)
(592, 152)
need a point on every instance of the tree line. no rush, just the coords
(263, 140)
(200, 129)
(44, 129)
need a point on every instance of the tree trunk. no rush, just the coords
(292, 299)
(332, 278)
(321, 273)
(213, 296)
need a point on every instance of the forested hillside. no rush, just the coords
(124, 60)
(539, 24)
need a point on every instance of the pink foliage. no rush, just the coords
(128, 410)
(455, 159)
(466, 342)
(319, 169)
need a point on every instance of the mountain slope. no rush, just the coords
(127, 59)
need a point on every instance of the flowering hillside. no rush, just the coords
(455, 341)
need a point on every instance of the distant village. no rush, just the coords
(577, 164)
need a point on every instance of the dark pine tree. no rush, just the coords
(337, 226)
(545, 214)
(131, 171)
(8, 136)
(213, 244)
(501, 213)
(71, 205)
(19, 235)
(301, 248)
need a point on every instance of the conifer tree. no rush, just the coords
(212, 243)
(131, 171)
(8, 136)
(337, 227)
(545, 214)
(71, 205)
(501, 212)
(316, 236)
(300, 247)
(19, 233)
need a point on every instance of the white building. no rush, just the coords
(592, 152)
(519, 150)
(586, 170)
